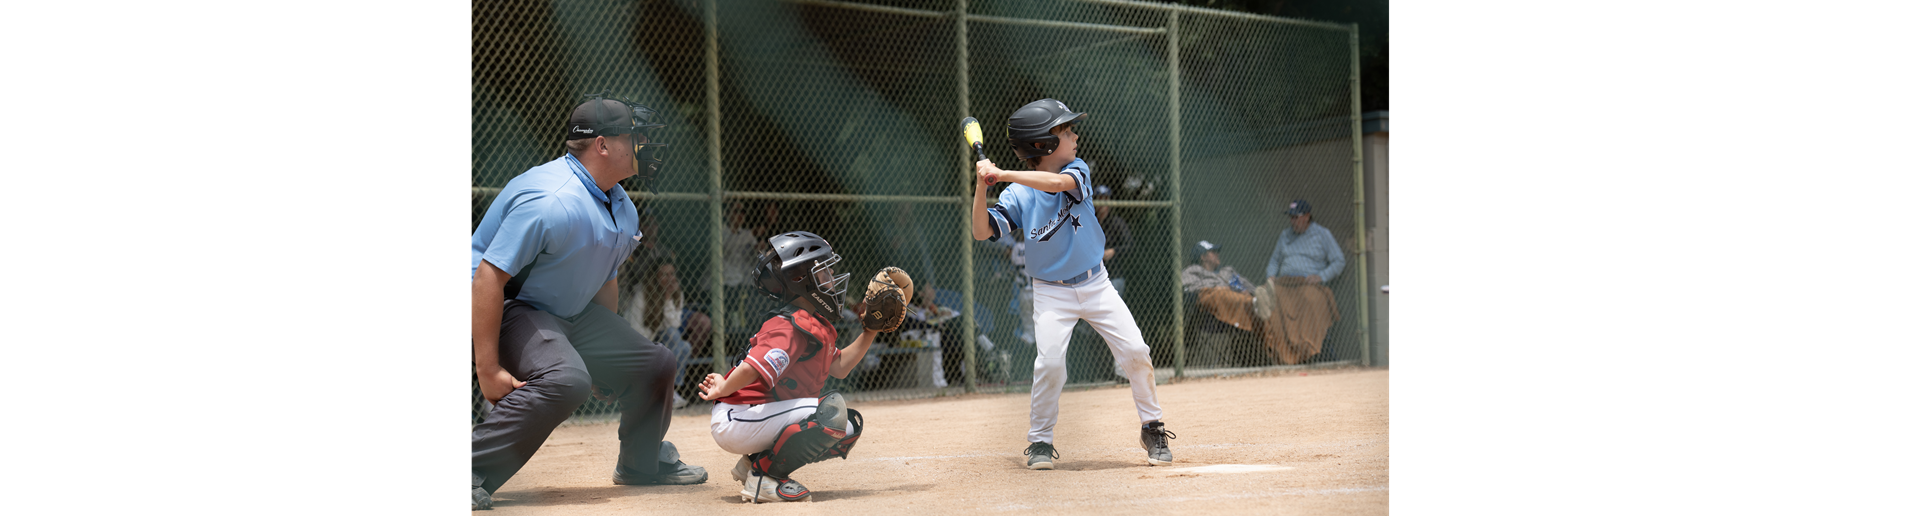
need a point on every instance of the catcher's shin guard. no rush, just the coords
(829, 432)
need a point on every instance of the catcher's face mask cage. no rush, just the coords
(826, 289)
(649, 156)
(825, 281)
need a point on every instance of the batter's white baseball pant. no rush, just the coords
(1056, 308)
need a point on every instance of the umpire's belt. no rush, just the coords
(1076, 280)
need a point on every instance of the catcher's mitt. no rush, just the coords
(887, 296)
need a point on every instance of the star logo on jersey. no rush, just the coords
(1045, 233)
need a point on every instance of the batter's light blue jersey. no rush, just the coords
(1063, 235)
(558, 234)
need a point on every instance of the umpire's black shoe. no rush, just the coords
(1040, 455)
(1153, 437)
(671, 471)
(676, 474)
(481, 500)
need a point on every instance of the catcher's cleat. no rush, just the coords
(760, 488)
(742, 470)
(1041, 455)
(1153, 437)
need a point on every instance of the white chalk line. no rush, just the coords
(1014, 454)
(1178, 499)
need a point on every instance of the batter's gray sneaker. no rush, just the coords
(1041, 455)
(1153, 437)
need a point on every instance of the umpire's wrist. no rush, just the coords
(484, 368)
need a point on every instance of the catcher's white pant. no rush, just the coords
(1055, 310)
(749, 429)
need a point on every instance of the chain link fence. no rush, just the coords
(842, 118)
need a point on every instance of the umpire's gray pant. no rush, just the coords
(561, 359)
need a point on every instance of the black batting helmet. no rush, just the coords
(799, 267)
(1030, 129)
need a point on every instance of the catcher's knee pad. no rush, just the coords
(829, 432)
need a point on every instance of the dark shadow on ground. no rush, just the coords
(583, 495)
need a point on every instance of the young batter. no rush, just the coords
(769, 408)
(1064, 246)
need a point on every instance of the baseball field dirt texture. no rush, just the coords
(1282, 442)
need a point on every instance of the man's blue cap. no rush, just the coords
(1298, 206)
(1102, 192)
(1201, 248)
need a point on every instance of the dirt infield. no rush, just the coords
(1277, 444)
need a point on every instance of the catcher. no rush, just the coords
(769, 408)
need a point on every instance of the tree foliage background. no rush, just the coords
(1370, 14)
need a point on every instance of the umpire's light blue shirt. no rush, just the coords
(1313, 253)
(556, 230)
(1063, 235)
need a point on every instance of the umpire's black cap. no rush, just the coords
(601, 116)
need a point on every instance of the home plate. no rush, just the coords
(1230, 468)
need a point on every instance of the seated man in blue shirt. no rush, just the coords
(545, 287)
(1303, 261)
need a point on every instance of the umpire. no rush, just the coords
(545, 287)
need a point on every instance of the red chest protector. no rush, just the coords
(791, 357)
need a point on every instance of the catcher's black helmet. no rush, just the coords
(799, 267)
(1030, 129)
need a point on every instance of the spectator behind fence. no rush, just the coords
(651, 249)
(1303, 261)
(748, 302)
(932, 326)
(907, 240)
(1222, 293)
(738, 250)
(656, 307)
(1119, 239)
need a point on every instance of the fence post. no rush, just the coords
(717, 338)
(1359, 201)
(1173, 174)
(968, 361)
